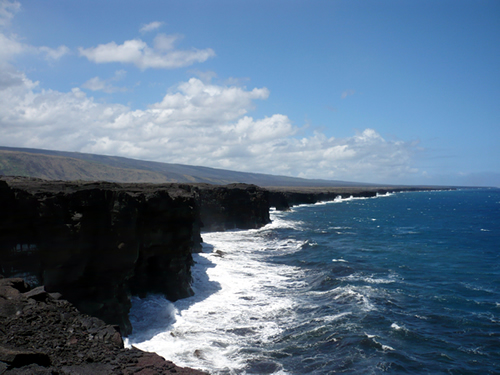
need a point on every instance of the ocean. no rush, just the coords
(405, 283)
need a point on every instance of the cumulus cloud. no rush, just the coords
(194, 103)
(9, 47)
(10, 78)
(151, 26)
(195, 123)
(162, 55)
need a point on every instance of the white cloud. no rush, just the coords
(195, 123)
(7, 11)
(151, 26)
(54, 53)
(137, 52)
(205, 76)
(163, 42)
(14, 80)
(195, 102)
(10, 47)
(106, 85)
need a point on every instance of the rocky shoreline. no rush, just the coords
(99, 243)
(40, 333)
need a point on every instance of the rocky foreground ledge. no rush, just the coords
(40, 333)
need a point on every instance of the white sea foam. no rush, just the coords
(395, 326)
(370, 279)
(354, 295)
(333, 318)
(382, 346)
(398, 327)
(339, 199)
(240, 302)
(250, 311)
(388, 194)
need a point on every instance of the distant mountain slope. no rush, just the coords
(60, 165)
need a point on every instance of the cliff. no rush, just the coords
(99, 243)
(233, 206)
(283, 198)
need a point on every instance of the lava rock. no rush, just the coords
(49, 336)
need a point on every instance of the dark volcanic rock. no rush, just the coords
(52, 337)
(97, 243)
(233, 206)
(283, 198)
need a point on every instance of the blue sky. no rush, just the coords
(402, 92)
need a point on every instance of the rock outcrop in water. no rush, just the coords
(99, 243)
(43, 334)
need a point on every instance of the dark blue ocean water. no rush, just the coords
(406, 283)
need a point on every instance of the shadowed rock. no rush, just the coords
(97, 243)
(53, 337)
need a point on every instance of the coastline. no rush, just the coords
(99, 242)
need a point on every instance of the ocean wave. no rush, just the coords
(378, 344)
(350, 294)
(398, 327)
(241, 301)
(286, 299)
(370, 279)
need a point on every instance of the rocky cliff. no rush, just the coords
(283, 198)
(233, 206)
(99, 243)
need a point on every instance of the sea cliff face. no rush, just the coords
(100, 243)
(234, 206)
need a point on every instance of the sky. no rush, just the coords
(382, 91)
